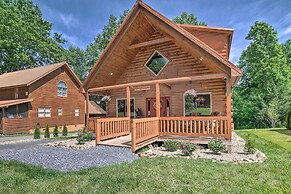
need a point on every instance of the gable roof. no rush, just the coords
(28, 76)
(95, 109)
(186, 37)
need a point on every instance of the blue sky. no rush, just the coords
(81, 20)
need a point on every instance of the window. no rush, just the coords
(156, 63)
(197, 105)
(122, 108)
(76, 112)
(62, 89)
(60, 112)
(44, 112)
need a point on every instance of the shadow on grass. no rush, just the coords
(283, 131)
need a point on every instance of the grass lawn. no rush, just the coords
(281, 137)
(158, 175)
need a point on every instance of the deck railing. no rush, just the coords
(111, 127)
(194, 126)
(144, 131)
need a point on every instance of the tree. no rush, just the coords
(25, 37)
(76, 59)
(190, 19)
(287, 51)
(262, 97)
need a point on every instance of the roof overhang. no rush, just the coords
(7, 103)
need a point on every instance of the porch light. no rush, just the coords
(111, 73)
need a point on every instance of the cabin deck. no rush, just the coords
(123, 141)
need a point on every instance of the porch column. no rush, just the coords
(87, 109)
(158, 105)
(16, 111)
(128, 101)
(228, 107)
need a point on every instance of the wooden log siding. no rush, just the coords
(17, 125)
(143, 131)
(194, 126)
(111, 127)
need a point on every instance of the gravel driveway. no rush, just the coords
(66, 159)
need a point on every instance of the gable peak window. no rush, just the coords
(62, 89)
(156, 63)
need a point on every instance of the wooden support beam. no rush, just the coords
(228, 107)
(150, 42)
(87, 109)
(158, 105)
(16, 111)
(128, 101)
(161, 81)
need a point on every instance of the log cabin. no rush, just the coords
(39, 96)
(184, 67)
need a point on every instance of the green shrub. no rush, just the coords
(84, 135)
(249, 145)
(216, 146)
(65, 130)
(171, 145)
(187, 148)
(47, 132)
(36, 134)
(56, 131)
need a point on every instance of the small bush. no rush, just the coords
(84, 135)
(36, 134)
(171, 145)
(216, 146)
(56, 131)
(187, 148)
(249, 145)
(65, 130)
(47, 132)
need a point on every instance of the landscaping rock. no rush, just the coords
(72, 143)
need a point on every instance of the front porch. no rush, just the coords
(137, 133)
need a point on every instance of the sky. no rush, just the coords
(79, 21)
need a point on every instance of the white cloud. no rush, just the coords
(286, 31)
(68, 20)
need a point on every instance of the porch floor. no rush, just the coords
(123, 141)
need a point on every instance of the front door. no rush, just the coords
(151, 106)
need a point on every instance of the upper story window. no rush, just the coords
(156, 63)
(62, 89)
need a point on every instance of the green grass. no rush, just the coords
(281, 137)
(158, 175)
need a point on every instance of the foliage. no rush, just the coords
(190, 19)
(36, 134)
(262, 97)
(187, 148)
(288, 120)
(65, 130)
(56, 131)
(47, 132)
(25, 37)
(287, 51)
(84, 135)
(171, 145)
(143, 149)
(216, 146)
(157, 175)
(249, 145)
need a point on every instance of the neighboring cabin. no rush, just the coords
(39, 96)
(95, 110)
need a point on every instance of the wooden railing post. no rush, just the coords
(133, 136)
(97, 131)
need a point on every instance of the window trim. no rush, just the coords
(156, 51)
(202, 93)
(61, 112)
(44, 112)
(116, 106)
(78, 112)
(58, 89)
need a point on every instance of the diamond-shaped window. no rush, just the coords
(156, 63)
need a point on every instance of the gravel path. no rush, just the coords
(65, 159)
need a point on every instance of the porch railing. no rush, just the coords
(194, 126)
(144, 131)
(110, 127)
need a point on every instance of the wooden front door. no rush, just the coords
(151, 107)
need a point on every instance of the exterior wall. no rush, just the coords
(44, 94)
(176, 94)
(9, 93)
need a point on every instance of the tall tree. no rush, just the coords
(190, 19)
(262, 97)
(95, 49)
(25, 37)
(287, 51)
